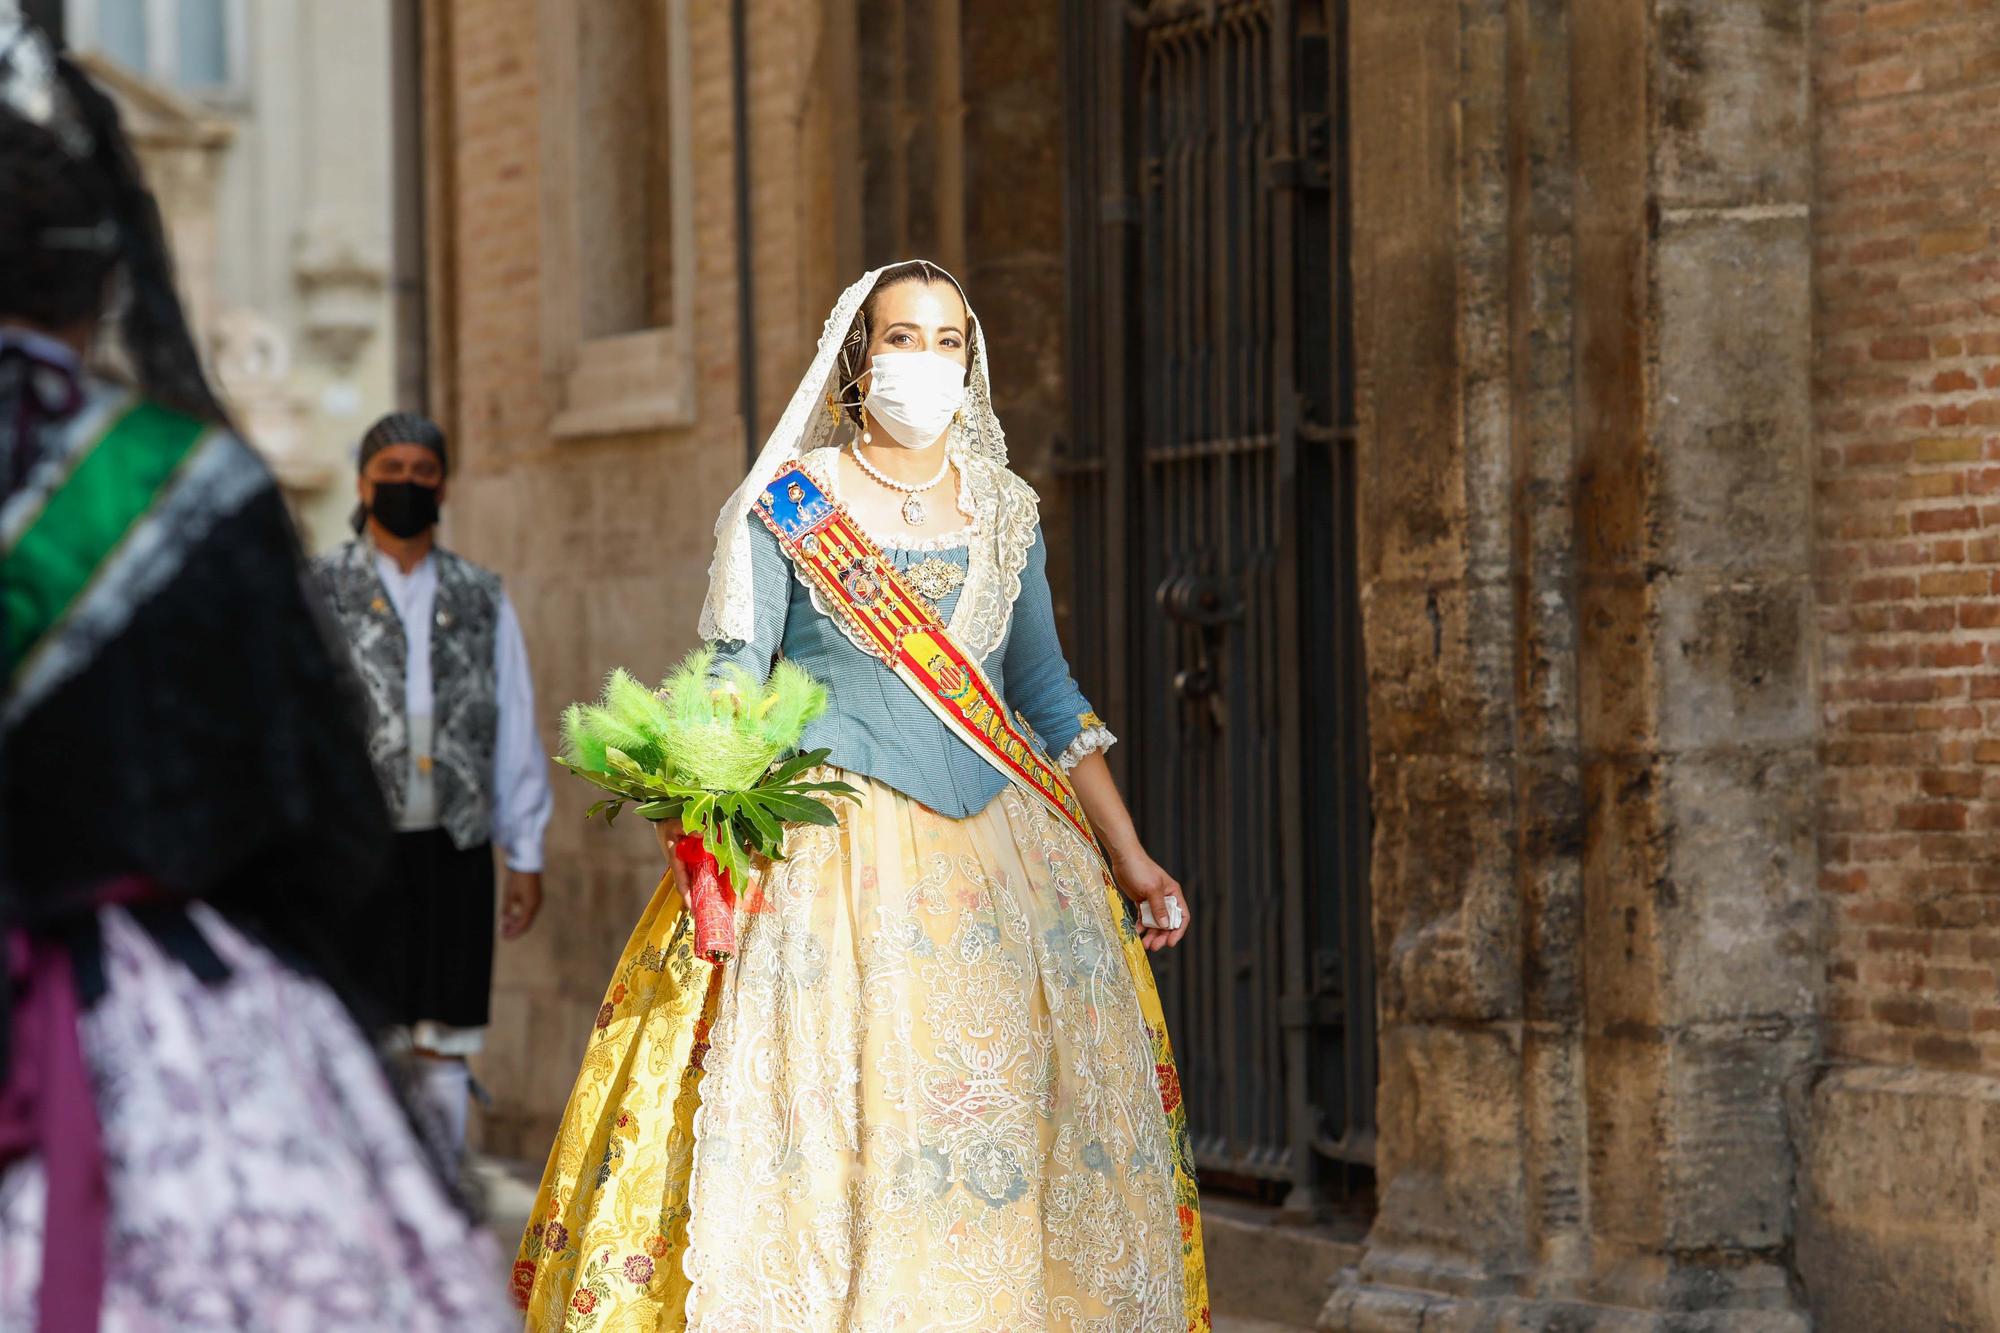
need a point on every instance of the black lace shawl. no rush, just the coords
(213, 747)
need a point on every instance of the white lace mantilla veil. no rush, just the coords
(730, 610)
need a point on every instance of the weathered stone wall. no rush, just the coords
(1901, 1205)
(1582, 261)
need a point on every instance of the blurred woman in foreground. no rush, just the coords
(194, 1134)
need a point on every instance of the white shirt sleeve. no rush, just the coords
(521, 796)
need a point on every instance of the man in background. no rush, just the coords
(451, 732)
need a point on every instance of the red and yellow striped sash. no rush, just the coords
(904, 631)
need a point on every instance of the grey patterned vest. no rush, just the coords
(466, 711)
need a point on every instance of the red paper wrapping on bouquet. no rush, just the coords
(710, 899)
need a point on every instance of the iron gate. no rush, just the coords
(1212, 482)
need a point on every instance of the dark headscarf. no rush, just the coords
(403, 428)
(79, 228)
(397, 428)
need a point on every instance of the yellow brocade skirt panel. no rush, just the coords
(932, 1091)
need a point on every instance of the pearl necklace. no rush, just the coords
(915, 513)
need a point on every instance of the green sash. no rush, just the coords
(113, 482)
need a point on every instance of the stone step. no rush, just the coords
(1267, 1274)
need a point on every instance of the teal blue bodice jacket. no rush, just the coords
(1001, 614)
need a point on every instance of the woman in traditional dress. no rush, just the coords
(194, 1134)
(932, 1090)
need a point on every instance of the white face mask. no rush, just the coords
(914, 395)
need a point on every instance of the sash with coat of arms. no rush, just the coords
(904, 631)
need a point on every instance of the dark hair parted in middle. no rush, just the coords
(854, 348)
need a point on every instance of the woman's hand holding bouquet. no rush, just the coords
(705, 749)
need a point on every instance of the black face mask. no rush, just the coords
(405, 508)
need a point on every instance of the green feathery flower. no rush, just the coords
(628, 718)
(716, 729)
(701, 748)
(580, 748)
(726, 728)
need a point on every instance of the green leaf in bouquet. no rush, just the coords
(739, 864)
(623, 763)
(587, 774)
(835, 788)
(715, 838)
(659, 810)
(771, 835)
(618, 786)
(797, 809)
(796, 765)
(695, 811)
(626, 785)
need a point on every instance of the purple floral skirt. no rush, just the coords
(261, 1172)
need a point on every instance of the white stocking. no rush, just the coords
(445, 1085)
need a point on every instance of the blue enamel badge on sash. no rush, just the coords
(795, 503)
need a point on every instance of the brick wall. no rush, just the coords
(1908, 289)
(604, 543)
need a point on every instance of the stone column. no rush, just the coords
(1441, 625)
(1582, 260)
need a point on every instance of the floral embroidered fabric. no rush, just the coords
(603, 1244)
(930, 1099)
(932, 1090)
(261, 1173)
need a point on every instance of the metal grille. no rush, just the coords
(1213, 472)
(1207, 478)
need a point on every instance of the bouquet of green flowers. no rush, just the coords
(705, 748)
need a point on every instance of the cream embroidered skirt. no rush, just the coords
(932, 1091)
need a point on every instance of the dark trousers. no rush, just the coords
(421, 946)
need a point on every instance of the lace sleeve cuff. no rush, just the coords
(1091, 740)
